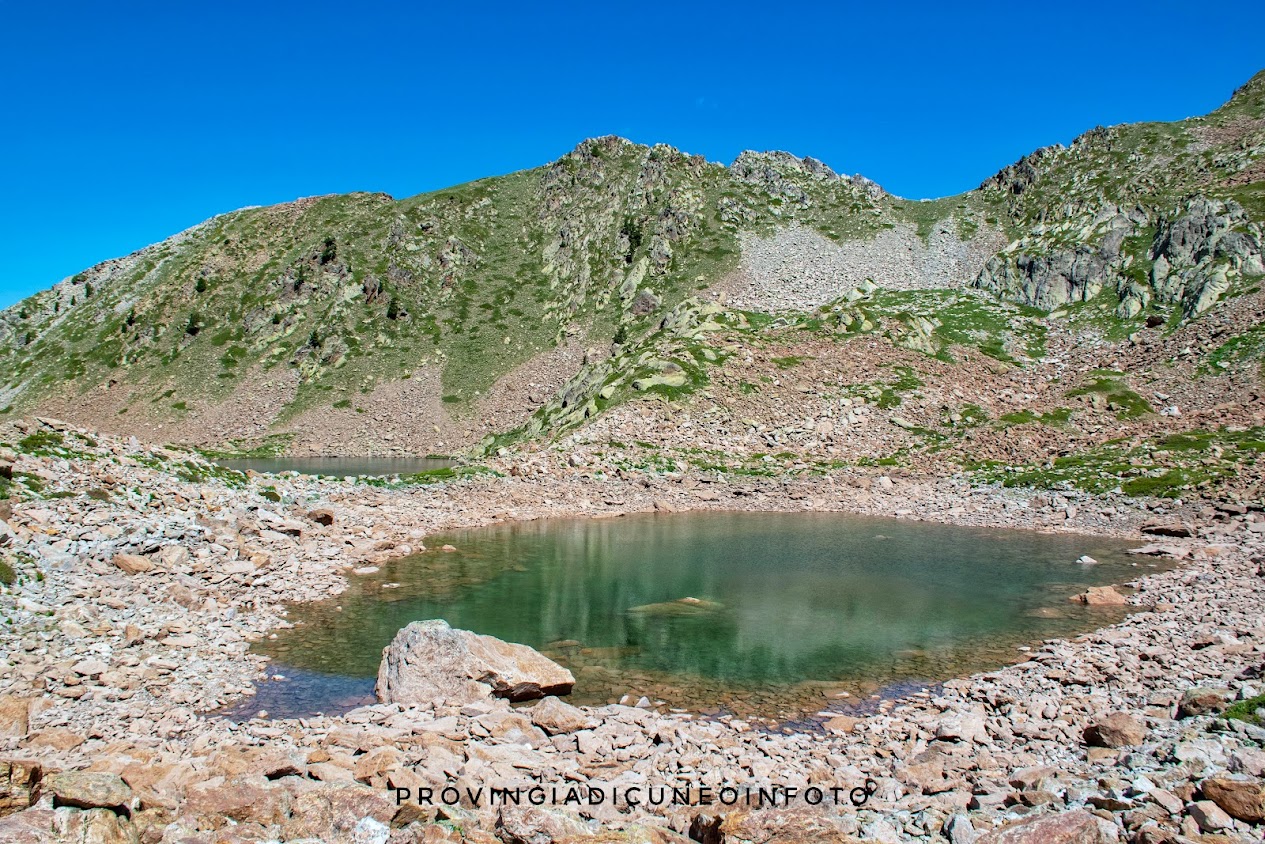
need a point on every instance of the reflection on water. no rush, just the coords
(338, 467)
(742, 611)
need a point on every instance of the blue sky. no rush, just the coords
(122, 123)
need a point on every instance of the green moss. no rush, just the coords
(41, 443)
(1171, 467)
(1246, 710)
(1058, 416)
(272, 445)
(1128, 404)
(8, 576)
(972, 416)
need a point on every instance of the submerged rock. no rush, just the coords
(430, 661)
(681, 606)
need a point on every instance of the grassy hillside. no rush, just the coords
(326, 305)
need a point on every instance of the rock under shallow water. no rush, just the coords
(429, 661)
(679, 607)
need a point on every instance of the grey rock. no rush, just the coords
(429, 661)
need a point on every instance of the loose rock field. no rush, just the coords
(143, 575)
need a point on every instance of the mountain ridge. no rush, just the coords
(503, 304)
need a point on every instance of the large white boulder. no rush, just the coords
(428, 662)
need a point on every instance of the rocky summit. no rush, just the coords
(1075, 346)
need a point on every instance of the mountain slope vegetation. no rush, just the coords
(520, 306)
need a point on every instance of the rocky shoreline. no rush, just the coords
(143, 575)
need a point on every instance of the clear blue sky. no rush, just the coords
(124, 122)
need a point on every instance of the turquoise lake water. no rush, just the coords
(743, 612)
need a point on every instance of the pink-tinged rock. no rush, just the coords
(1210, 816)
(1078, 827)
(57, 738)
(1239, 798)
(1118, 729)
(1175, 529)
(530, 824)
(788, 825)
(555, 716)
(1200, 701)
(90, 668)
(98, 826)
(429, 661)
(15, 716)
(1100, 596)
(132, 563)
(34, 826)
(216, 803)
(322, 516)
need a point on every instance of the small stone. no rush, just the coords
(90, 668)
(841, 724)
(555, 717)
(1167, 800)
(322, 516)
(958, 830)
(1210, 816)
(1168, 529)
(1200, 701)
(89, 790)
(132, 563)
(1119, 729)
(15, 716)
(1100, 596)
(184, 641)
(57, 738)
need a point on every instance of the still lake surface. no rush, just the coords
(338, 467)
(784, 612)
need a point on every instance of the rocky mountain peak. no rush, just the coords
(1250, 96)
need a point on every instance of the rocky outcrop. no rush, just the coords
(1195, 254)
(779, 174)
(1046, 281)
(430, 661)
(1200, 249)
(1058, 264)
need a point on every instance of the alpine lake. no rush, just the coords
(768, 615)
